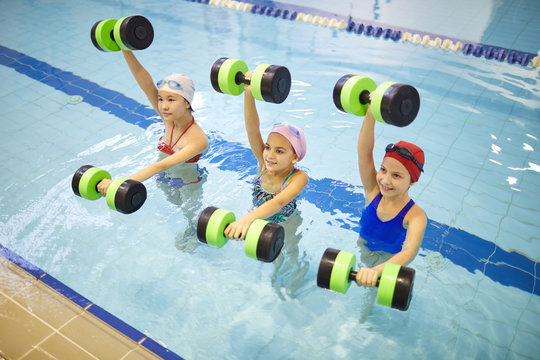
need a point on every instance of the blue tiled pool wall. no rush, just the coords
(87, 305)
(329, 195)
(503, 39)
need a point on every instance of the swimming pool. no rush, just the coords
(475, 292)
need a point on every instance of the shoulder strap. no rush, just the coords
(287, 178)
(182, 134)
(405, 209)
(260, 175)
(376, 200)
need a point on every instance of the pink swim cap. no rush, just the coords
(295, 135)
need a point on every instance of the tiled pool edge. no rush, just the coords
(88, 306)
(377, 30)
(462, 248)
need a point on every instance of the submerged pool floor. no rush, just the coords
(494, 288)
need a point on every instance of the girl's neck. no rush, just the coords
(397, 200)
(182, 123)
(281, 173)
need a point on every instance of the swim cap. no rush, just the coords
(409, 164)
(295, 135)
(179, 84)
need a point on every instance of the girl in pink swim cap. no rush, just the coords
(278, 182)
(184, 141)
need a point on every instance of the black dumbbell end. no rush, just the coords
(325, 268)
(270, 242)
(130, 196)
(400, 105)
(93, 36)
(136, 32)
(214, 73)
(77, 178)
(276, 84)
(403, 289)
(338, 88)
(202, 223)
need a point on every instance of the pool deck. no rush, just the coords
(44, 319)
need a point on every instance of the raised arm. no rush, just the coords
(366, 165)
(252, 123)
(143, 78)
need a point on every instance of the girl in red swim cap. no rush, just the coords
(391, 222)
(184, 141)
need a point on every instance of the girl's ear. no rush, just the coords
(295, 160)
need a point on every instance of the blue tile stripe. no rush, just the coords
(380, 30)
(329, 195)
(87, 305)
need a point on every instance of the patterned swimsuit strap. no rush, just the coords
(284, 181)
(287, 178)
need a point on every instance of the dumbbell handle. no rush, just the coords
(241, 78)
(352, 277)
(364, 97)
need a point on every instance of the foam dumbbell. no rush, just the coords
(336, 272)
(128, 33)
(263, 242)
(391, 103)
(124, 195)
(270, 83)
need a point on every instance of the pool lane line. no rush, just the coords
(377, 30)
(88, 306)
(329, 195)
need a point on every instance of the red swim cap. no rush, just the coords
(409, 164)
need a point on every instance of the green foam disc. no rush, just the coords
(227, 76)
(118, 35)
(216, 225)
(89, 181)
(102, 35)
(111, 191)
(343, 265)
(351, 91)
(252, 237)
(387, 284)
(377, 98)
(256, 81)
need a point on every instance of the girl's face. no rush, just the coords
(393, 178)
(171, 105)
(278, 153)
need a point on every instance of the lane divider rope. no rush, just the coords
(375, 30)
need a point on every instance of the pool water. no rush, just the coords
(476, 293)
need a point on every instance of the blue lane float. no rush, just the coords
(329, 195)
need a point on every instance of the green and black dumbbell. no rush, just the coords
(270, 83)
(124, 195)
(263, 242)
(336, 272)
(391, 103)
(128, 33)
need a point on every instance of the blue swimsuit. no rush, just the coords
(383, 235)
(260, 196)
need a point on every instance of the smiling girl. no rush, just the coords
(184, 141)
(278, 182)
(391, 223)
